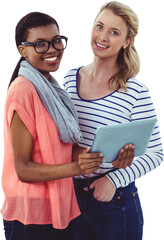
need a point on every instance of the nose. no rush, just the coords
(104, 36)
(51, 48)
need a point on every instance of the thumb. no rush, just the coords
(89, 187)
(92, 185)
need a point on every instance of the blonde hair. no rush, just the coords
(128, 59)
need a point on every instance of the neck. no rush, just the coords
(103, 69)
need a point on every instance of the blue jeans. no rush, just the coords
(15, 230)
(119, 219)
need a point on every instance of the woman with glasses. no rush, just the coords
(106, 92)
(40, 127)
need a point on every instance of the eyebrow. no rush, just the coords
(100, 22)
(42, 39)
(116, 29)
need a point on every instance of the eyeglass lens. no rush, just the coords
(43, 46)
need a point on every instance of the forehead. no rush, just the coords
(108, 18)
(43, 32)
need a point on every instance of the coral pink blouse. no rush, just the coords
(52, 202)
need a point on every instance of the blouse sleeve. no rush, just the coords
(142, 109)
(20, 98)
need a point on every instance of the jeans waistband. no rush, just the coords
(82, 183)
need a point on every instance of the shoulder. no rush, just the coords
(138, 92)
(134, 85)
(21, 91)
(72, 72)
(71, 77)
(21, 85)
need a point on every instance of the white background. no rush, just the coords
(75, 19)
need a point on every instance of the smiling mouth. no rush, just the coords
(101, 46)
(51, 59)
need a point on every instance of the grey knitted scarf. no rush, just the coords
(57, 102)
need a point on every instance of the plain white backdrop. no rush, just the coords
(75, 19)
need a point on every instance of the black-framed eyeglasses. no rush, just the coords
(59, 43)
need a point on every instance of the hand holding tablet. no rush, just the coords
(124, 157)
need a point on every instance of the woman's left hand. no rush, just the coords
(104, 189)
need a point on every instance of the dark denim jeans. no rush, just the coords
(15, 230)
(119, 219)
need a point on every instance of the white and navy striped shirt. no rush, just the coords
(117, 107)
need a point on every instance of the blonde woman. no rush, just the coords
(106, 92)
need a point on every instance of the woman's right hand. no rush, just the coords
(89, 162)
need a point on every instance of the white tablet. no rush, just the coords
(110, 139)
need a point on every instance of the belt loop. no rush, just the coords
(88, 184)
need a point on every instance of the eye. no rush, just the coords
(41, 44)
(99, 26)
(58, 40)
(114, 33)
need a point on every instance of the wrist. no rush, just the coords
(111, 181)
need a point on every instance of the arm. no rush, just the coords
(142, 109)
(27, 170)
(105, 187)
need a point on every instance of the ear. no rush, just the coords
(22, 50)
(127, 43)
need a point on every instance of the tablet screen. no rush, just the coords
(110, 139)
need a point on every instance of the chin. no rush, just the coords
(52, 68)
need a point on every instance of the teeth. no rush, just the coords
(51, 59)
(102, 46)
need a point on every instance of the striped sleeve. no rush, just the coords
(142, 109)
